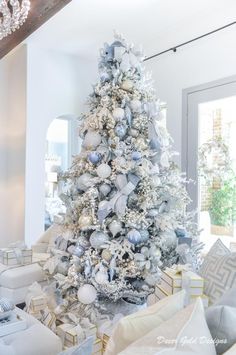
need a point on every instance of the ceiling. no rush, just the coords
(83, 26)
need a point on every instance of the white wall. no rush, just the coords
(12, 146)
(206, 60)
(55, 87)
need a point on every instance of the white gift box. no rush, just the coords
(38, 303)
(12, 257)
(172, 281)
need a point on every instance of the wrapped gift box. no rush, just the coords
(37, 315)
(171, 282)
(97, 346)
(13, 257)
(48, 319)
(160, 293)
(38, 303)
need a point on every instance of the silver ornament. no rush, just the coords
(105, 189)
(144, 235)
(85, 181)
(92, 139)
(94, 157)
(120, 130)
(104, 171)
(98, 240)
(136, 106)
(83, 241)
(169, 238)
(78, 251)
(118, 114)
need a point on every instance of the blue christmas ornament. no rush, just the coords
(78, 251)
(144, 235)
(120, 130)
(155, 144)
(136, 156)
(134, 236)
(94, 157)
(180, 232)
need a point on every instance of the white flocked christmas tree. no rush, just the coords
(126, 201)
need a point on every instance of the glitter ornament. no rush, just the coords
(92, 139)
(120, 130)
(87, 294)
(101, 277)
(127, 85)
(169, 238)
(115, 227)
(84, 181)
(103, 171)
(134, 236)
(105, 189)
(118, 114)
(134, 132)
(83, 241)
(94, 157)
(98, 240)
(136, 106)
(85, 221)
(106, 254)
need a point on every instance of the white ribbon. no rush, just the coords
(183, 270)
(119, 201)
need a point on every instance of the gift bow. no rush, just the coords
(183, 270)
(17, 248)
(118, 202)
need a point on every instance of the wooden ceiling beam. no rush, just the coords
(40, 12)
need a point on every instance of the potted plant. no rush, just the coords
(223, 208)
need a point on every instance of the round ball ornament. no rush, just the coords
(98, 239)
(144, 235)
(85, 221)
(136, 156)
(78, 251)
(105, 189)
(84, 181)
(118, 114)
(120, 130)
(104, 171)
(115, 227)
(94, 157)
(136, 105)
(92, 139)
(87, 294)
(134, 132)
(101, 277)
(106, 254)
(134, 237)
(169, 238)
(127, 85)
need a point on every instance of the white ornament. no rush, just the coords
(101, 277)
(105, 189)
(169, 238)
(136, 106)
(127, 85)
(134, 132)
(87, 294)
(85, 181)
(104, 171)
(118, 114)
(115, 227)
(92, 139)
